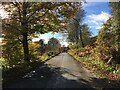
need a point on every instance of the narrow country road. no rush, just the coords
(61, 71)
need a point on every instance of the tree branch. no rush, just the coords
(20, 40)
(38, 16)
(14, 27)
(16, 4)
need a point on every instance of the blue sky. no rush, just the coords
(96, 14)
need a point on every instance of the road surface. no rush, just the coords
(61, 71)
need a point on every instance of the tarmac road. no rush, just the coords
(62, 71)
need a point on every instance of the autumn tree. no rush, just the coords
(86, 35)
(28, 18)
(104, 35)
(12, 51)
(108, 40)
(72, 35)
(53, 44)
(78, 32)
(42, 47)
(78, 19)
(115, 26)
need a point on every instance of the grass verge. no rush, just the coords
(100, 69)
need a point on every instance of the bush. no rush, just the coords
(52, 53)
(33, 51)
(3, 64)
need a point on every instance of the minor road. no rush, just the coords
(61, 71)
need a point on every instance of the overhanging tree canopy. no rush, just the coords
(27, 18)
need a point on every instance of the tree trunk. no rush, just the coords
(81, 39)
(24, 24)
(25, 48)
(79, 36)
(77, 41)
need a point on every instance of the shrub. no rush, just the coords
(52, 53)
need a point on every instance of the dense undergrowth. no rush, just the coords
(99, 67)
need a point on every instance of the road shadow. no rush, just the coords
(45, 76)
(93, 82)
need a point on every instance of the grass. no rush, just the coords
(100, 68)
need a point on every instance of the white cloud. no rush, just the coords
(98, 18)
(95, 21)
(3, 13)
(60, 38)
(99, 27)
(45, 37)
(64, 43)
(49, 35)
